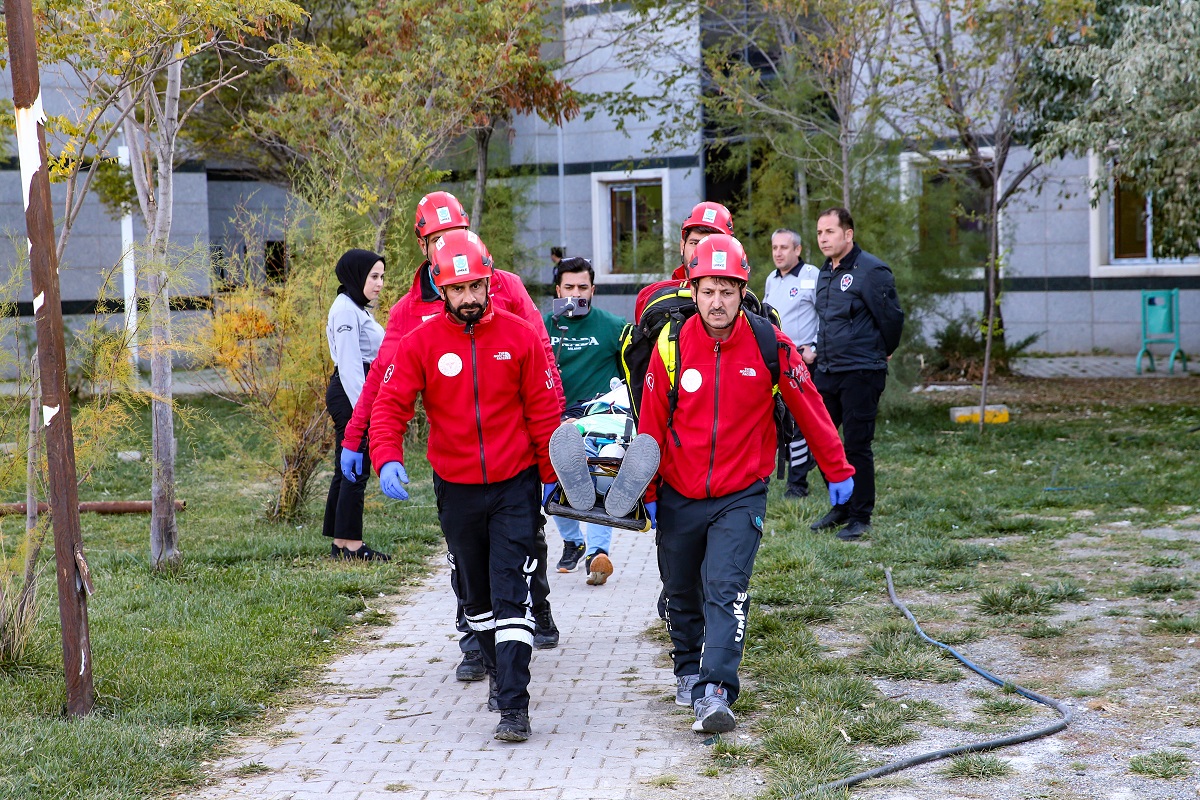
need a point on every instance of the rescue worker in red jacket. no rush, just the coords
(438, 213)
(490, 399)
(706, 218)
(718, 452)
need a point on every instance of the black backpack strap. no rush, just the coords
(768, 345)
(674, 325)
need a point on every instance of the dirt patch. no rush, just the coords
(1034, 393)
(1132, 692)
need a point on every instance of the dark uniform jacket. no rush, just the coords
(860, 315)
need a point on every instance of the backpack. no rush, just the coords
(763, 325)
(663, 316)
(673, 302)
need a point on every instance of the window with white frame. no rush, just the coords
(629, 210)
(1121, 234)
(636, 232)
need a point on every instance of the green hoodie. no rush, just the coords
(588, 352)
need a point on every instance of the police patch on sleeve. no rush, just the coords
(847, 280)
(387, 376)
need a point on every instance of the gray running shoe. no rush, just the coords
(712, 711)
(683, 692)
(638, 468)
(568, 455)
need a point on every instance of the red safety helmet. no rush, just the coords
(708, 215)
(439, 211)
(719, 256)
(460, 257)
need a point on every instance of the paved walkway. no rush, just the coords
(394, 723)
(1097, 367)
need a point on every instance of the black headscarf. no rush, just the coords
(352, 270)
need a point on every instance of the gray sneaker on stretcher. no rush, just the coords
(638, 467)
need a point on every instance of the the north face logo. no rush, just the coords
(503, 355)
(748, 372)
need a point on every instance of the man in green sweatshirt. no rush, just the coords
(587, 347)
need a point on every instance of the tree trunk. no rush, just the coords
(802, 193)
(164, 534)
(991, 302)
(31, 456)
(483, 137)
(845, 168)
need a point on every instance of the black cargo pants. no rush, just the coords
(490, 530)
(706, 551)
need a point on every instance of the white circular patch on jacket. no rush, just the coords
(690, 380)
(450, 365)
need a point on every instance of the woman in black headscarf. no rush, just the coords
(354, 337)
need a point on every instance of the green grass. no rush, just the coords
(972, 538)
(1164, 764)
(976, 766)
(1005, 707)
(1176, 624)
(180, 660)
(1159, 585)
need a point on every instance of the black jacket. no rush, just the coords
(860, 315)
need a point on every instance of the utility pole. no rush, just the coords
(74, 582)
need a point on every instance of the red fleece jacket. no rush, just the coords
(725, 415)
(507, 292)
(489, 395)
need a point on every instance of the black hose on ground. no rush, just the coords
(991, 744)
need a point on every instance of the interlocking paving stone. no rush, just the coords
(601, 724)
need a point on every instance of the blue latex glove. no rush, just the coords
(547, 490)
(392, 478)
(351, 462)
(652, 513)
(839, 493)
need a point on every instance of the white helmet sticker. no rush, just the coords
(709, 215)
(443, 215)
(450, 365)
(718, 259)
(690, 380)
(461, 267)
(440, 243)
